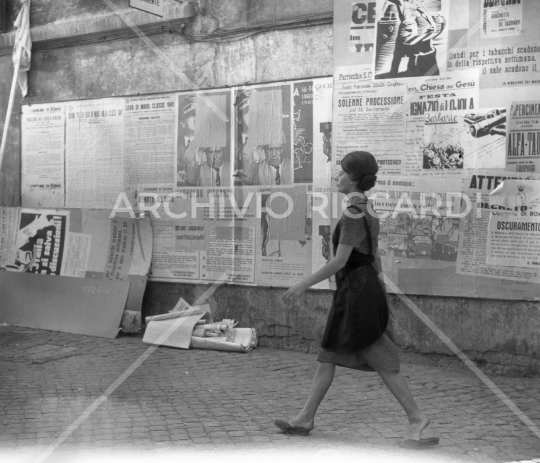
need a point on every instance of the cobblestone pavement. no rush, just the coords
(182, 401)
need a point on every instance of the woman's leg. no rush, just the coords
(321, 383)
(398, 387)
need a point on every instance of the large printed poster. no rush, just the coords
(319, 194)
(369, 116)
(411, 38)
(38, 242)
(480, 253)
(43, 145)
(523, 144)
(436, 132)
(263, 154)
(94, 154)
(203, 139)
(149, 144)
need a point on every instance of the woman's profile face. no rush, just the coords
(344, 182)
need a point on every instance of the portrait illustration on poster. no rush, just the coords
(411, 39)
(262, 136)
(203, 144)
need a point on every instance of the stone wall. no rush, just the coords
(501, 336)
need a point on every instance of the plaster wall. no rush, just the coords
(501, 336)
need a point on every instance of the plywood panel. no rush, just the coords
(72, 305)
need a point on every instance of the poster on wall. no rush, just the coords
(203, 140)
(354, 32)
(284, 227)
(523, 144)
(178, 237)
(501, 40)
(319, 194)
(37, 245)
(42, 155)
(322, 131)
(501, 19)
(74, 243)
(362, 31)
(420, 227)
(369, 116)
(149, 144)
(514, 225)
(476, 258)
(262, 128)
(312, 130)
(411, 38)
(303, 131)
(320, 207)
(230, 250)
(514, 241)
(436, 108)
(9, 225)
(94, 152)
(198, 238)
(464, 140)
(433, 240)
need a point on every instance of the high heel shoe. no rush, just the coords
(288, 429)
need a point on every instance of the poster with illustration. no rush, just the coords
(263, 136)
(411, 38)
(203, 139)
(461, 140)
(39, 242)
(303, 132)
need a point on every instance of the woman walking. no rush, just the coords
(357, 333)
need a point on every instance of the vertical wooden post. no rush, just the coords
(10, 106)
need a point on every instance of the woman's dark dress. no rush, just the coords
(364, 340)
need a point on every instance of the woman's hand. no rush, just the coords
(293, 293)
(335, 264)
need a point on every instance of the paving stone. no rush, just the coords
(195, 400)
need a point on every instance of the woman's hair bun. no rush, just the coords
(362, 167)
(367, 182)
